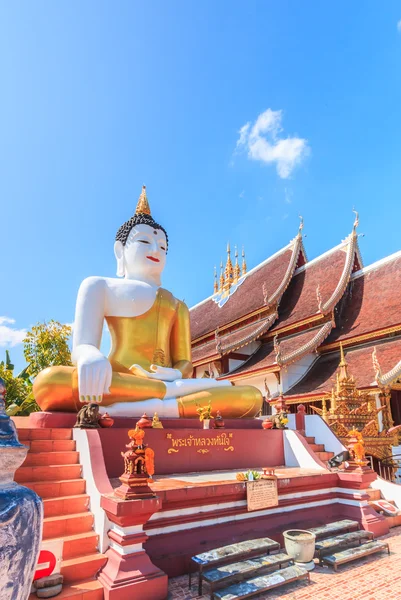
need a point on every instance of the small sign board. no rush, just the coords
(49, 560)
(262, 493)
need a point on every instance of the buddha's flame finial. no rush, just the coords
(143, 204)
(215, 285)
(243, 262)
(237, 270)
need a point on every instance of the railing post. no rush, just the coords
(300, 419)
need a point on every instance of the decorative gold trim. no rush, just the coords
(296, 325)
(272, 369)
(170, 450)
(229, 449)
(203, 451)
(353, 341)
(262, 310)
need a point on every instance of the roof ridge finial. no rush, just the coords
(143, 204)
(301, 224)
(376, 364)
(356, 222)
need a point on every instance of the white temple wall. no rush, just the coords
(293, 373)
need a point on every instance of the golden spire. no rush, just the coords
(243, 262)
(143, 204)
(343, 367)
(228, 272)
(237, 271)
(221, 277)
(215, 285)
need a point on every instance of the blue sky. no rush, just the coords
(100, 97)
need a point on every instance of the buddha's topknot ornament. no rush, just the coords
(143, 205)
(142, 216)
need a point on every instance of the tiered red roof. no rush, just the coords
(321, 377)
(287, 351)
(374, 302)
(326, 277)
(250, 310)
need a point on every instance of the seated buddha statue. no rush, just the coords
(149, 367)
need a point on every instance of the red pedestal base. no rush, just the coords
(129, 573)
(359, 478)
(132, 577)
(133, 488)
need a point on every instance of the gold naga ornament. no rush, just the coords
(351, 413)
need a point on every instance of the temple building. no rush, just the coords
(281, 325)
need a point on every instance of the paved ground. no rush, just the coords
(377, 577)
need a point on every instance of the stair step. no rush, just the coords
(350, 554)
(51, 445)
(317, 447)
(78, 544)
(310, 440)
(44, 434)
(44, 459)
(226, 574)
(325, 455)
(82, 567)
(90, 589)
(54, 489)
(47, 473)
(67, 525)
(264, 583)
(335, 527)
(65, 505)
(328, 545)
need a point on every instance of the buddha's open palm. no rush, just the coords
(94, 376)
(157, 372)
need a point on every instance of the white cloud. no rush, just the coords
(262, 142)
(10, 336)
(399, 25)
(242, 194)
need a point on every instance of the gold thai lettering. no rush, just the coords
(220, 439)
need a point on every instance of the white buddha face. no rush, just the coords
(144, 255)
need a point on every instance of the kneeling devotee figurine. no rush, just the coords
(149, 367)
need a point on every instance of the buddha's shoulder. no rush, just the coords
(99, 284)
(169, 297)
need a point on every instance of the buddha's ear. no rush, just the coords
(119, 254)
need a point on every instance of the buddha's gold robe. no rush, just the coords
(159, 336)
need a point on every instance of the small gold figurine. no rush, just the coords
(156, 423)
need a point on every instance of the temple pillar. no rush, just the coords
(129, 573)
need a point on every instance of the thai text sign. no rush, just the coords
(202, 443)
(261, 494)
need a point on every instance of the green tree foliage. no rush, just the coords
(46, 345)
(19, 397)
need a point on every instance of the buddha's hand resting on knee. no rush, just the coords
(94, 374)
(157, 372)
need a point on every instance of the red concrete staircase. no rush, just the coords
(319, 450)
(52, 470)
